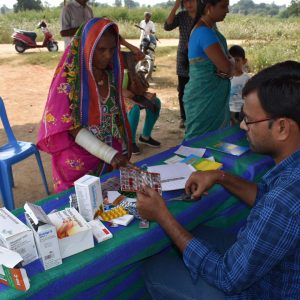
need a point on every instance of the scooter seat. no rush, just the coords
(30, 34)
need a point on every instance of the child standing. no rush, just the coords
(238, 81)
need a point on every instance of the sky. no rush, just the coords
(10, 3)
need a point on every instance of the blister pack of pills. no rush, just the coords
(133, 180)
(112, 213)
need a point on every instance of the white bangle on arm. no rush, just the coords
(89, 142)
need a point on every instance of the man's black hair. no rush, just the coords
(278, 90)
(237, 51)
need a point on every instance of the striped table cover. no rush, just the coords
(111, 270)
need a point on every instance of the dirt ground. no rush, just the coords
(24, 89)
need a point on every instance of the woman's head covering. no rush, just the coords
(73, 98)
(80, 61)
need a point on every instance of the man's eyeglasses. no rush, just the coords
(243, 118)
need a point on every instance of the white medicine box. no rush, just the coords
(16, 236)
(89, 196)
(74, 234)
(45, 235)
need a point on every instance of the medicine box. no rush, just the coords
(10, 272)
(74, 234)
(89, 196)
(100, 232)
(16, 236)
(45, 235)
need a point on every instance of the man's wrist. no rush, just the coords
(163, 216)
(220, 176)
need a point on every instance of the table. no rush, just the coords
(111, 270)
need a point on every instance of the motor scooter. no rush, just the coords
(148, 45)
(26, 39)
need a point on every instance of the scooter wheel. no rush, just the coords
(52, 47)
(20, 47)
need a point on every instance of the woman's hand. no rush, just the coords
(118, 161)
(144, 102)
(222, 62)
(138, 54)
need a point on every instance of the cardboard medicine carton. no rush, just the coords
(11, 273)
(89, 196)
(16, 236)
(74, 234)
(45, 235)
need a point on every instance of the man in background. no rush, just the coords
(148, 27)
(72, 16)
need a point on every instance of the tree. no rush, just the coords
(292, 11)
(131, 4)
(28, 5)
(246, 7)
(94, 3)
(168, 4)
(118, 3)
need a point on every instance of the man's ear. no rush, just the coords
(245, 60)
(283, 128)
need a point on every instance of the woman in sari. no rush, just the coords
(206, 96)
(84, 126)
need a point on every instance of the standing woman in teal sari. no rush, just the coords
(206, 96)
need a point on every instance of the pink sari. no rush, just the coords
(73, 102)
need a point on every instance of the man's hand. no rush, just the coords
(200, 182)
(151, 206)
(118, 161)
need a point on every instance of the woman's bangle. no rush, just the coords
(224, 75)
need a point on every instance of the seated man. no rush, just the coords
(137, 98)
(263, 261)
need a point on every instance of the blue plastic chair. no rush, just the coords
(11, 153)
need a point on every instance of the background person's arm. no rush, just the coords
(138, 54)
(219, 59)
(68, 32)
(65, 24)
(171, 18)
(152, 30)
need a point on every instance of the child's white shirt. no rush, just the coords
(237, 83)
